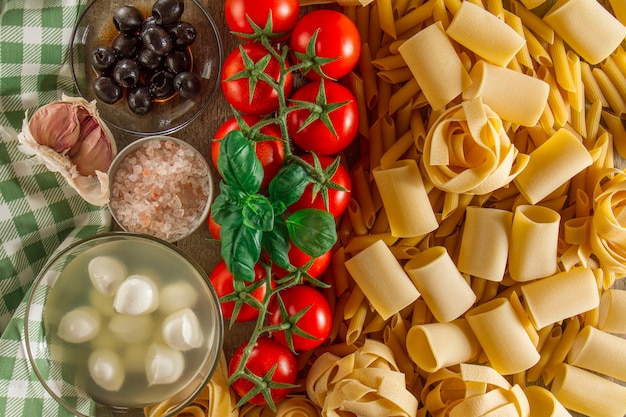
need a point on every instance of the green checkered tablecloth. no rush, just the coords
(38, 212)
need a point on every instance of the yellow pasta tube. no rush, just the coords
(435, 65)
(587, 393)
(434, 346)
(551, 165)
(514, 96)
(533, 22)
(382, 279)
(599, 352)
(587, 27)
(484, 245)
(619, 10)
(560, 296)
(405, 199)
(543, 403)
(484, 34)
(443, 288)
(612, 311)
(502, 336)
(534, 241)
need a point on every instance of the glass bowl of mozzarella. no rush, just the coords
(123, 324)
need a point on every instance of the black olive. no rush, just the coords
(187, 84)
(126, 73)
(182, 33)
(157, 39)
(126, 45)
(149, 21)
(162, 84)
(107, 90)
(149, 59)
(177, 61)
(167, 11)
(127, 19)
(103, 58)
(139, 100)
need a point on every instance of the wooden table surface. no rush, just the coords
(200, 245)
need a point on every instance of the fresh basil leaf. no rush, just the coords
(224, 212)
(258, 213)
(233, 194)
(238, 163)
(312, 230)
(276, 243)
(241, 249)
(289, 184)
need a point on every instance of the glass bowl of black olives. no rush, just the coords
(153, 66)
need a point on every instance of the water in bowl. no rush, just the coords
(135, 340)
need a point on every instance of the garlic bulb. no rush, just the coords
(69, 137)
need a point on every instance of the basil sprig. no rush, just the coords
(251, 221)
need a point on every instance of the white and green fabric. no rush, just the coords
(39, 213)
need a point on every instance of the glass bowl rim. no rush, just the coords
(203, 106)
(123, 153)
(219, 331)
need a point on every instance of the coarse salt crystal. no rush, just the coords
(171, 189)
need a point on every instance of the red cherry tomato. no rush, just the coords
(317, 321)
(298, 259)
(263, 99)
(270, 152)
(285, 14)
(337, 199)
(266, 354)
(222, 281)
(316, 136)
(338, 37)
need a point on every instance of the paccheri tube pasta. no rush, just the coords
(492, 133)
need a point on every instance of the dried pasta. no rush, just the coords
(440, 75)
(442, 286)
(514, 96)
(405, 199)
(382, 279)
(600, 352)
(534, 235)
(484, 248)
(585, 392)
(587, 27)
(434, 346)
(485, 34)
(560, 296)
(551, 165)
(502, 336)
(612, 311)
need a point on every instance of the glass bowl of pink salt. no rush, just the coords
(160, 186)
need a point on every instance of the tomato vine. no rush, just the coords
(257, 226)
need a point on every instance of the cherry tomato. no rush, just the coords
(285, 14)
(270, 152)
(298, 259)
(316, 136)
(263, 99)
(337, 199)
(317, 320)
(266, 354)
(338, 37)
(222, 281)
(214, 227)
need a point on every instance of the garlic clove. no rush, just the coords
(56, 126)
(85, 163)
(93, 150)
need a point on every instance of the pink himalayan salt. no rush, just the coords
(160, 189)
